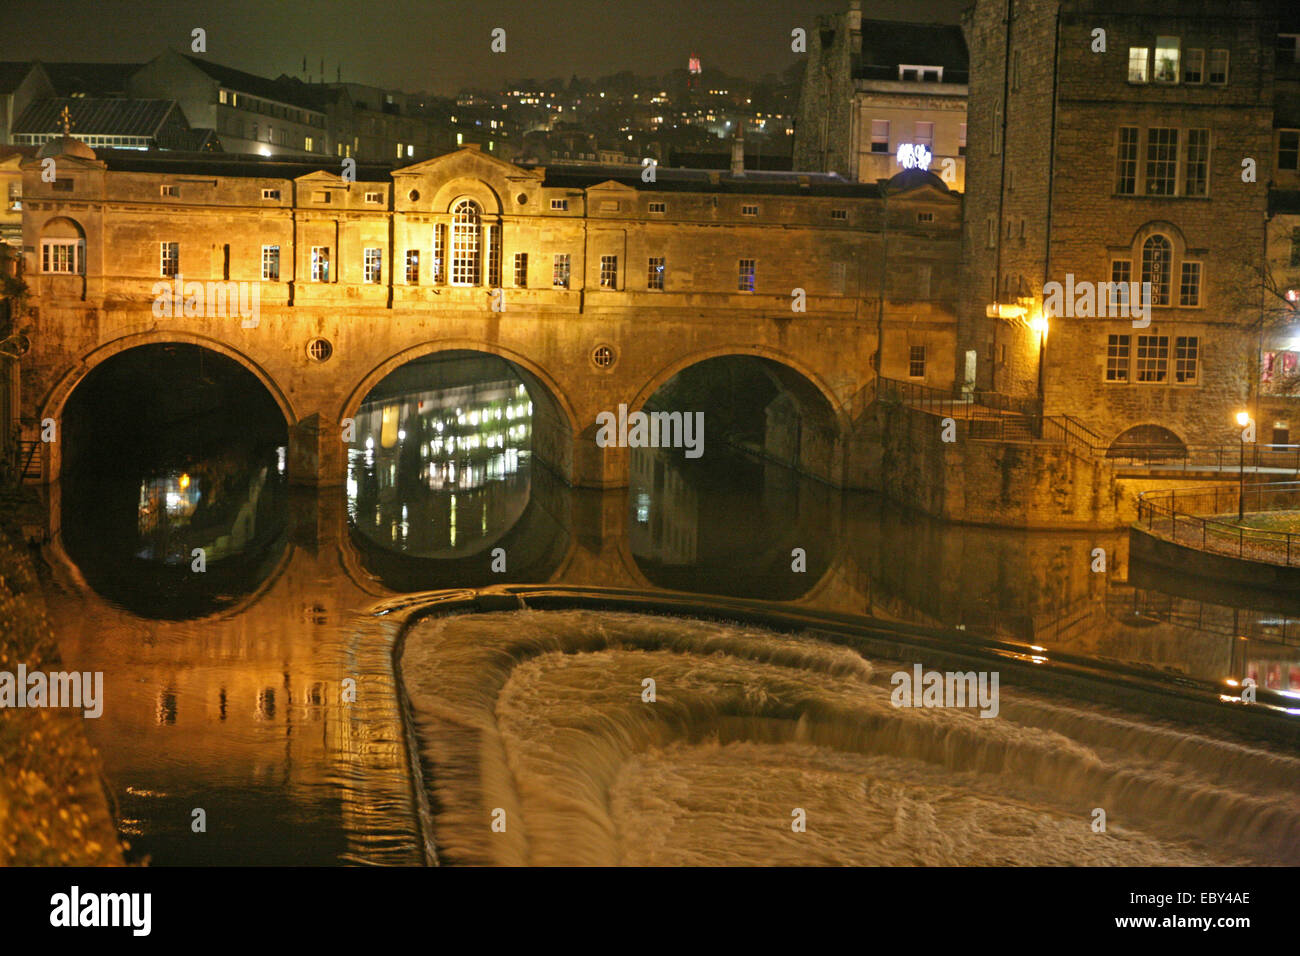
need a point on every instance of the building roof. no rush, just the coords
(231, 164)
(289, 91)
(115, 116)
(671, 179)
(90, 79)
(13, 72)
(889, 44)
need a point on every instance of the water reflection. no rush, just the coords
(441, 472)
(235, 702)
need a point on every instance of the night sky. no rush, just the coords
(437, 45)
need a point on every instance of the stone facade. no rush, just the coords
(605, 337)
(871, 86)
(1052, 194)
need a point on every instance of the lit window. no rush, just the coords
(63, 256)
(748, 274)
(560, 271)
(373, 265)
(222, 96)
(320, 263)
(655, 272)
(308, 145)
(609, 272)
(1166, 65)
(466, 266)
(1138, 63)
(439, 253)
(412, 266)
(170, 256)
(271, 263)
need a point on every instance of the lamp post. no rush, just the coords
(1243, 419)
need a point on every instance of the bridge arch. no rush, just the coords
(56, 400)
(554, 418)
(819, 450)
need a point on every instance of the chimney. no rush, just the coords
(738, 150)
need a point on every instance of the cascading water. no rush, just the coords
(541, 722)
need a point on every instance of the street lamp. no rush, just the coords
(1243, 419)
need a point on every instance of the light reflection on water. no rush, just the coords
(235, 704)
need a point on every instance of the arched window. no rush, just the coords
(1157, 263)
(466, 258)
(63, 247)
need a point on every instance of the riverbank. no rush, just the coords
(54, 808)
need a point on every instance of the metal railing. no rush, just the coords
(1206, 518)
(1226, 457)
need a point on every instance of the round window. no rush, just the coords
(319, 350)
(603, 356)
(413, 195)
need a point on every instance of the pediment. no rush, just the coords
(468, 162)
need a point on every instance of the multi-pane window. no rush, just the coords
(749, 209)
(439, 253)
(1152, 358)
(1121, 274)
(271, 263)
(840, 215)
(1117, 358)
(320, 263)
(609, 272)
(1197, 172)
(374, 267)
(493, 233)
(1166, 63)
(270, 194)
(1288, 149)
(748, 274)
(465, 232)
(654, 272)
(1162, 161)
(1186, 358)
(560, 271)
(1218, 66)
(880, 136)
(659, 207)
(1126, 165)
(916, 361)
(1157, 254)
(62, 256)
(170, 255)
(1189, 285)
(170, 191)
(521, 270)
(374, 197)
(1194, 66)
(560, 205)
(412, 266)
(1138, 63)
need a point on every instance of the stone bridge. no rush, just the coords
(582, 342)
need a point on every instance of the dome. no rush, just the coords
(65, 145)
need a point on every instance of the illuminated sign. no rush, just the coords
(913, 156)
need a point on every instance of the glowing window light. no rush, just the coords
(913, 156)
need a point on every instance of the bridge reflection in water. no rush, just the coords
(228, 690)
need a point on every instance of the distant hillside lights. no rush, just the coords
(1100, 300)
(224, 300)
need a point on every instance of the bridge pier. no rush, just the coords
(317, 455)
